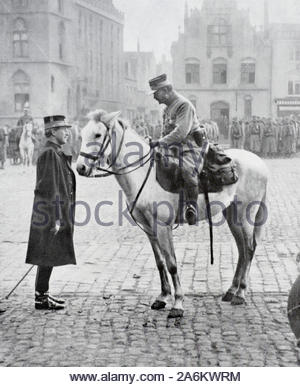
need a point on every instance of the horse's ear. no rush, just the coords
(110, 117)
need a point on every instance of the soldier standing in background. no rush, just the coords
(288, 138)
(3, 147)
(247, 135)
(236, 134)
(268, 147)
(255, 135)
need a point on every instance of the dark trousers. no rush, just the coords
(43, 274)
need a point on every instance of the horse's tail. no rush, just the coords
(260, 218)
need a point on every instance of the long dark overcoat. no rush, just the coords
(54, 199)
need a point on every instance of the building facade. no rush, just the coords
(61, 56)
(285, 40)
(139, 67)
(222, 64)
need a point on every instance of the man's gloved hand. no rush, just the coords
(154, 144)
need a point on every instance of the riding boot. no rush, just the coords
(191, 210)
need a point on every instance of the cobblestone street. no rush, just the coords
(108, 320)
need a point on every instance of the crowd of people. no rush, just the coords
(10, 137)
(266, 137)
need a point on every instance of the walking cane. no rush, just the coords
(15, 287)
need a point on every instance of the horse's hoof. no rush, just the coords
(237, 300)
(158, 305)
(228, 296)
(175, 313)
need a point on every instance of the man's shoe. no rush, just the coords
(44, 302)
(191, 215)
(60, 301)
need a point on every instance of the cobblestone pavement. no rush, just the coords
(108, 320)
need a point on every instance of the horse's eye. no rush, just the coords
(98, 135)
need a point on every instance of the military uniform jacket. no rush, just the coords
(179, 120)
(54, 200)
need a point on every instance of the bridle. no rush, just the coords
(121, 171)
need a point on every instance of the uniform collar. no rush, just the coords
(53, 145)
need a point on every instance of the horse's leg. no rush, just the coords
(252, 226)
(246, 230)
(161, 300)
(234, 224)
(165, 240)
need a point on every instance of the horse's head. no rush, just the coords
(96, 141)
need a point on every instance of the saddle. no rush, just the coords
(218, 170)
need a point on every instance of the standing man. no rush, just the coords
(236, 134)
(3, 145)
(52, 223)
(181, 131)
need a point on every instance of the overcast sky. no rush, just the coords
(155, 22)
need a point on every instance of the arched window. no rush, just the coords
(220, 71)
(20, 39)
(219, 33)
(248, 71)
(61, 40)
(21, 84)
(192, 70)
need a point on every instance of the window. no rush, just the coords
(192, 73)
(20, 3)
(290, 88)
(219, 73)
(61, 40)
(248, 73)
(20, 100)
(52, 84)
(20, 39)
(60, 6)
(297, 87)
(297, 54)
(21, 89)
(219, 33)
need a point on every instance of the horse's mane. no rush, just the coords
(97, 115)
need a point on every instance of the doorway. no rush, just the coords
(219, 112)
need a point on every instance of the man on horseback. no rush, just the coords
(22, 121)
(181, 130)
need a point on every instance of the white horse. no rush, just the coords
(26, 144)
(245, 219)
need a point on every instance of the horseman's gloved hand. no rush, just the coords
(154, 144)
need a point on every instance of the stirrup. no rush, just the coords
(191, 215)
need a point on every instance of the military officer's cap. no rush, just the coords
(56, 122)
(158, 82)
